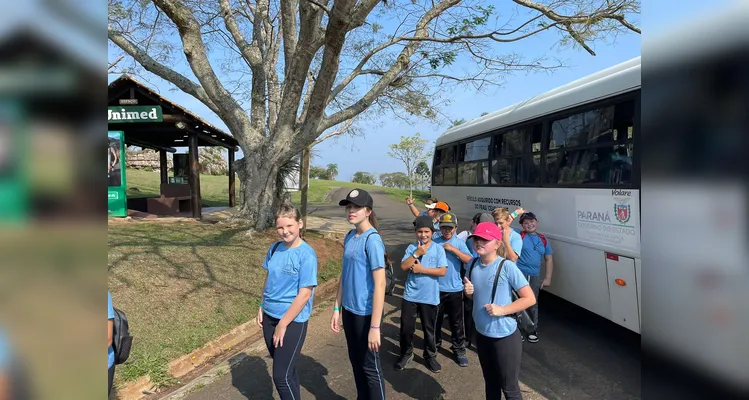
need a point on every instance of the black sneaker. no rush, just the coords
(433, 365)
(533, 337)
(461, 359)
(403, 361)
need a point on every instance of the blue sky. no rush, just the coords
(369, 153)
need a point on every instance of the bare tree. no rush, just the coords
(282, 73)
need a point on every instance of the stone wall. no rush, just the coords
(212, 161)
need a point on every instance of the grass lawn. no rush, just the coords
(318, 188)
(215, 189)
(183, 285)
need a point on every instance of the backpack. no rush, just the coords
(389, 277)
(525, 323)
(540, 235)
(121, 338)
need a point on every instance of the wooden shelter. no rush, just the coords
(151, 121)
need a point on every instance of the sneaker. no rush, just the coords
(533, 338)
(433, 365)
(403, 361)
(522, 337)
(461, 359)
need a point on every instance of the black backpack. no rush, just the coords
(121, 338)
(389, 277)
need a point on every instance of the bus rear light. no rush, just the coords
(620, 282)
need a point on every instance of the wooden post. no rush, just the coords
(194, 160)
(163, 166)
(304, 186)
(232, 195)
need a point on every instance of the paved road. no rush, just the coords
(580, 356)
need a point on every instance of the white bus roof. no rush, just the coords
(609, 82)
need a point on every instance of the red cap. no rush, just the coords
(487, 231)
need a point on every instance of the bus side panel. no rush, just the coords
(580, 277)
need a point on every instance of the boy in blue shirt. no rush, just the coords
(425, 263)
(451, 287)
(536, 251)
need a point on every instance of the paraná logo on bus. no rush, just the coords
(621, 210)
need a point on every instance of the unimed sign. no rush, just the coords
(132, 114)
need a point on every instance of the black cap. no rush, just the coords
(358, 197)
(528, 215)
(424, 221)
(482, 217)
(449, 219)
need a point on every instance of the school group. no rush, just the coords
(484, 279)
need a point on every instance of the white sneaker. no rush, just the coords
(533, 338)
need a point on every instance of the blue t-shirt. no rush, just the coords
(452, 282)
(533, 254)
(289, 269)
(110, 315)
(358, 284)
(420, 288)
(482, 278)
(516, 242)
(424, 214)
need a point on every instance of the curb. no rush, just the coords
(180, 367)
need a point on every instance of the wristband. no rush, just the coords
(374, 327)
(336, 309)
(261, 305)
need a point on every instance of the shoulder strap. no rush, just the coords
(366, 253)
(470, 269)
(496, 280)
(543, 238)
(522, 234)
(275, 247)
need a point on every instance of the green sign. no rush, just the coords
(14, 177)
(131, 114)
(116, 195)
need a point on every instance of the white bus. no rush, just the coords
(569, 156)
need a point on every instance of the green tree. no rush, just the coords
(423, 176)
(332, 171)
(364, 178)
(316, 172)
(410, 151)
(282, 74)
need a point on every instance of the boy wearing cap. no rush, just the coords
(536, 251)
(425, 263)
(451, 286)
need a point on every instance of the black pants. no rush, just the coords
(469, 326)
(365, 363)
(452, 304)
(500, 364)
(428, 315)
(110, 379)
(284, 358)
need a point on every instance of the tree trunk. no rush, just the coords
(304, 180)
(261, 193)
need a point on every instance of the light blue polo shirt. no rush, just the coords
(482, 278)
(452, 281)
(358, 284)
(420, 288)
(289, 269)
(110, 315)
(533, 254)
(516, 242)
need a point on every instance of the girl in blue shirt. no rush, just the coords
(498, 341)
(291, 266)
(110, 336)
(425, 262)
(361, 293)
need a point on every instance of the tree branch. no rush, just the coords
(323, 7)
(161, 70)
(338, 132)
(115, 62)
(395, 70)
(196, 54)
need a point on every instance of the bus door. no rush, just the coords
(623, 291)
